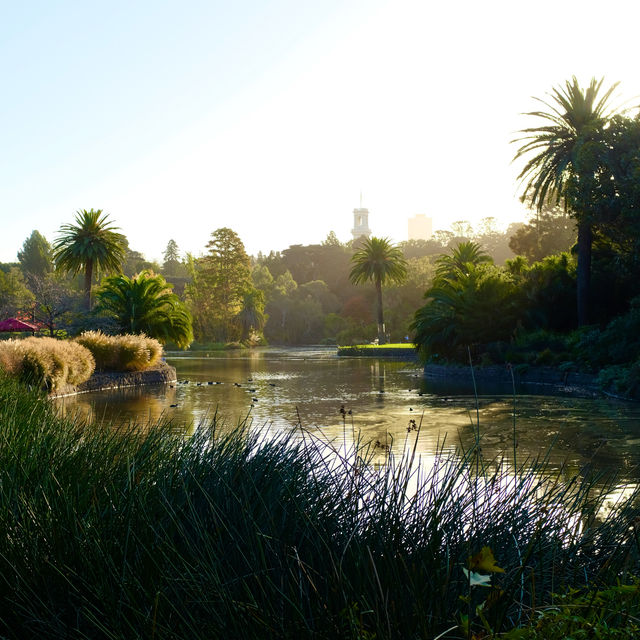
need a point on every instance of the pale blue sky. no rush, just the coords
(270, 117)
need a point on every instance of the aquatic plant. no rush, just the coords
(129, 532)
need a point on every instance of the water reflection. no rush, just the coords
(281, 389)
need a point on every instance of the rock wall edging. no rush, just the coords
(104, 380)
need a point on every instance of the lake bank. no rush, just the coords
(162, 373)
(549, 379)
(404, 351)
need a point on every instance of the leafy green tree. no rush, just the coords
(380, 262)
(91, 245)
(251, 319)
(219, 282)
(551, 231)
(172, 265)
(14, 294)
(35, 255)
(565, 163)
(146, 304)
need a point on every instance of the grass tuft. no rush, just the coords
(46, 362)
(129, 352)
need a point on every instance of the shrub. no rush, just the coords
(128, 352)
(46, 362)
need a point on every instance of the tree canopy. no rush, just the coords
(146, 304)
(380, 262)
(563, 163)
(91, 244)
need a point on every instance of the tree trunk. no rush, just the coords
(585, 238)
(382, 338)
(88, 277)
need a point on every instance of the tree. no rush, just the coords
(380, 262)
(462, 258)
(552, 231)
(35, 255)
(55, 302)
(92, 244)
(565, 164)
(146, 304)
(251, 318)
(14, 295)
(219, 282)
(171, 265)
(461, 311)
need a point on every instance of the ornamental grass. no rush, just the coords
(129, 352)
(145, 533)
(46, 362)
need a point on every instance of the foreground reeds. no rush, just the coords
(142, 533)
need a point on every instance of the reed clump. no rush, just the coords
(46, 362)
(143, 533)
(128, 352)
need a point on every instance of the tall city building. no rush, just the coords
(420, 227)
(360, 223)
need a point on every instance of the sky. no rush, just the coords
(277, 119)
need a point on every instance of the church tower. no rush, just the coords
(360, 222)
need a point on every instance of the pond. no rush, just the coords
(384, 402)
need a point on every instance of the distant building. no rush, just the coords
(420, 227)
(360, 223)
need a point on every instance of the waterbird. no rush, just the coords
(272, 384)
(173, 406)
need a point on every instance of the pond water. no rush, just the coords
(285, 389)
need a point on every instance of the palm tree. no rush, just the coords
(379, 261)
(146, 304)
(564, 166)
(462, 256)
(90, 245)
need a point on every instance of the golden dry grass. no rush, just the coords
(121, 353)
(47, 362)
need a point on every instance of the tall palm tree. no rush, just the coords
(564, 165)
(92, 244)
(146, 304)
(378, 261)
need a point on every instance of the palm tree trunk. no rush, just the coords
(382, 338)
(88, 277)
(585, 238)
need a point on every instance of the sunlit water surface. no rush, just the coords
(281, 390)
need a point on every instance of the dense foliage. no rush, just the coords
(146, 304)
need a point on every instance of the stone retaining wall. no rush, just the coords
(103, 380)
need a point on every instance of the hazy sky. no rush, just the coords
(178, 118)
